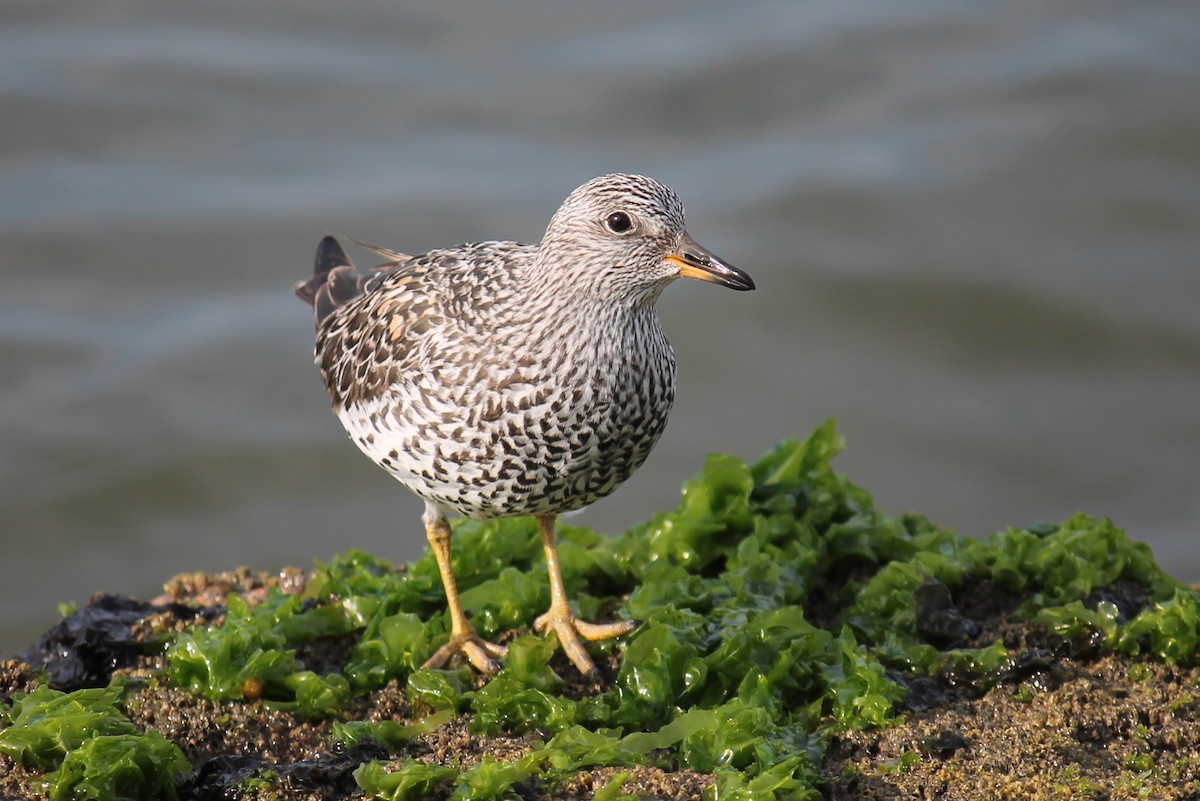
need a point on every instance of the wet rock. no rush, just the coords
(82, 650)
(1036, 666)
(944, 744)
(923, 693)
(221, 777)
(1130, 598)
(939, 621)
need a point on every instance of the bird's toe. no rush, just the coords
(481, 653)
(569, 629)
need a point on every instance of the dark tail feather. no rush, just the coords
(334, 281)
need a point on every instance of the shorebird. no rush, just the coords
(497, 379)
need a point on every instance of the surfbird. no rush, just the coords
(497, 379)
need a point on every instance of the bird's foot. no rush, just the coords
(479, 652)
(569, 629)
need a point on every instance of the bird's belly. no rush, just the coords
(551, 457)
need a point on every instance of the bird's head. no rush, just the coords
(623, 235)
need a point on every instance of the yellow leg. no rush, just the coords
(463, 638)
(567, 628)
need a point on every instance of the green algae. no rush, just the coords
(614, 790)
(416, 780)
(1167, 629)
(255, 649)
(87, 748)
(728, 675)
(728, 654)
(388, 733)
(779, 606)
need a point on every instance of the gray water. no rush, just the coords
(975, 229)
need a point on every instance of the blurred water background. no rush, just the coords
(975, 229)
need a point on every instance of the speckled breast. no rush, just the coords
(520, 433)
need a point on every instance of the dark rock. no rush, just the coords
(944, 744)
(1037, 667)
(939, 621)
(924, 693)
(221, 777)
(82, 650)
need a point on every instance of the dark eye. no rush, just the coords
(618, 222)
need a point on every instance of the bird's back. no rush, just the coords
(373, 328)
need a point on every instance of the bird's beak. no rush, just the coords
(696, 261)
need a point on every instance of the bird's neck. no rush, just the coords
(581, 319)
(575, 287)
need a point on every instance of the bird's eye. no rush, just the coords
(618, 222)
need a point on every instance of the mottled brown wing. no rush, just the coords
(365, 323)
